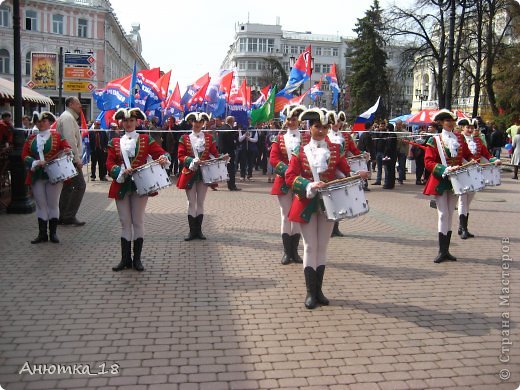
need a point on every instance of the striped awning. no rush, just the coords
(28, 95)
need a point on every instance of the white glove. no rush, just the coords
(34, 165)
(194, 164)
(121, 177)
(311, 191)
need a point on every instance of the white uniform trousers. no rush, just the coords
(196, 196)
(464, 202)
(288, 227)
(445, 208)
(131, 215)
(316, 236)
(47, 199)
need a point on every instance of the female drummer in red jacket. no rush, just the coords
(37, 149)
(279, 157)
(193, 149)
(310, 168)
(124, 155)
(454, 150)
(479, 152)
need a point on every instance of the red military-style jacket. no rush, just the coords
(437, 184)
(54, 144)
(145, 145)
(186, 155)
(482, 151)
(279, 159)
(350, 145)
(299, 175)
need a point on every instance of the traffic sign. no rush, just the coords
(79, 59)
(30, 84)
(79, 73)
(78, 86)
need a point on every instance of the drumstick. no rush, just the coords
(344, 179)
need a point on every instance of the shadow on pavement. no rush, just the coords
(393, 273)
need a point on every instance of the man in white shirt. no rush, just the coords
(73, 191)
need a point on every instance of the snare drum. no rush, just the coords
(491, 174)
(150, 178)
(214, 171)
(60, 169)
(344, 200)
(466, 179)
(357, 163)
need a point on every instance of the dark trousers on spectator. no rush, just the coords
(401, 169)
(390, 173)
(71, 196)
(98, 157)
(419, 169)
(231, 171)
(247, 158)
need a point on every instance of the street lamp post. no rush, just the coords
(421, 96)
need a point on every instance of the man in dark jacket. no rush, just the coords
(98, 143)
(227, 141)
(390, 158)
(497, 141)
(379, 137)
(365, 144)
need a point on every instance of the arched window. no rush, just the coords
(28, 63)
(4, 61)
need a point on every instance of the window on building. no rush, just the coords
(294, 50)
(4, 61)
(325, 68)
(286, 49)
(31, 20)
(270, 45)
(286, 66)
(28, 63)
(252, 45)
(242, 45)
(408, 90)
(327, 51)
(242, 65)
(251, 65)
(317, 68)
(317, 51)
(57, 24)
(4, 16)
(335, 51)
(82, 28)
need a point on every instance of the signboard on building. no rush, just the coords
(78, 86)
(78, 73)
(44, 70)
(79, 59)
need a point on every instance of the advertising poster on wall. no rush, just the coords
(44, 70)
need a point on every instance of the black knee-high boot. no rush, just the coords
(441, 256)
(138, 247)
(322, 299)
(287, 248)
(126, 256)
(449, 256)
(295, 241)
(463, 227)
(53, 226)
(193, 228)
(199, 219)
(335, 231)
(42, 232)
(311, 278)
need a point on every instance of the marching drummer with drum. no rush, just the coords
(126, 155)
(194, 150)
(444, 154)
(310, 168)
(38, 151)
(347, 146)
(281, 151)
(480, 154)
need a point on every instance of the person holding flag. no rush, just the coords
(281, 151)
(310, 168)
(124, 155)
(193, 149)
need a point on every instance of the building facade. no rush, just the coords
(254, 42)
(76, 26)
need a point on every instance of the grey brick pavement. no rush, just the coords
(224, 314)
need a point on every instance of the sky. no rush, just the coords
(192, 37)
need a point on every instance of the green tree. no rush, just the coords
(273, 74)
(368, 79)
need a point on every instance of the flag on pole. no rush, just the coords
(133, 82)
(333, 82)
(300, 72)
(367, 116)
(266, 112)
